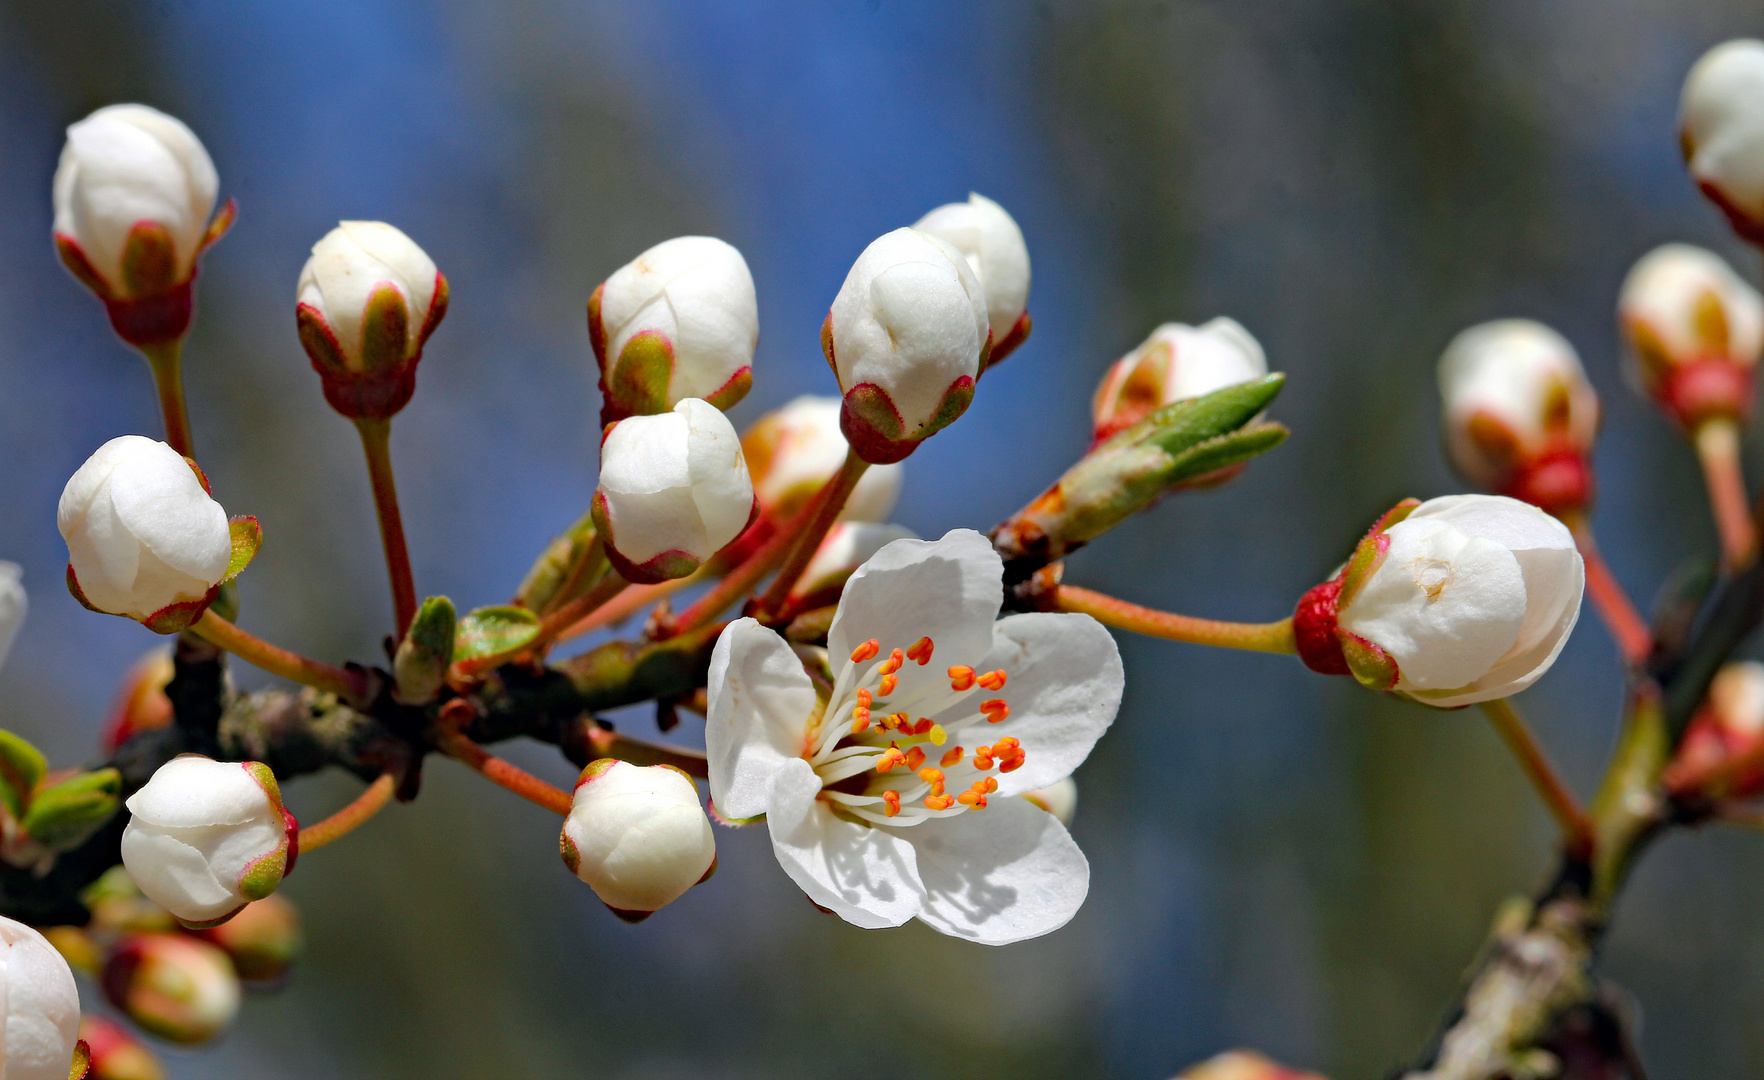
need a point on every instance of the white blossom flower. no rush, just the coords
(366, 302)
(13, 606)
(1175, 363)
(207, 837)
(41, 1006)
(848, 545)
(1694, 329)
(673, 490)
(679, 321)
(637, 835)
(792, 451)
(988, 237)
(1721, 127)
(172, 985)
(1520, 416)
(144, 538)
(907, 336)
(1467, 598)
(892, 798)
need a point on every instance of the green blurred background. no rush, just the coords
(1278, 860)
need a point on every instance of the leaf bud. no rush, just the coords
(1175, 363)
(63, 815)
(1721, 130)
(116, 1054)
(420, 664)
(989, 239)
(637, 835)
(263, 940)
(141, 703)
(173, 986)
(1694, 330)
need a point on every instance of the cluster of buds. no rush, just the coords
(1721, 130)
(134, 208)
(1695, 330)
(1449, 602)
(1175, 363)
(1520, 415)
(637, 835)
(145, 538)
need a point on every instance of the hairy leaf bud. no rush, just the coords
(420, 664)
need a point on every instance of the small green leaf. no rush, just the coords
(1178, 426)
(22, 767)
(489, 631)
(63, 816)
(1224, 451)
(247, 538)
(421, 662)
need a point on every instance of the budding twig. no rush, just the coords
(500, 772)
(376, 438)
(166, 360)
(1274, 637)
(1564, 807)
(828, 504)
(349, 685)
(1634, 640)
(348, 819)
(1718, 448)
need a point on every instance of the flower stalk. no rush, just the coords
(503, 774)
(349, 685)
(1634, 639)
(1274, 637)
(351, 817)
(1718, 449)
(376, 444)
(166, 359)
(827, 506)
(1576, 828)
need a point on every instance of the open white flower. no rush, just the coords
(1721, 127)
(679, 321)
(40, 1006)
(892, 798)
(1695, 330)
(207, 837)
(792, 451)
(673, 490)
(988, 237)
(907, 336)
(13, 606)
(637, 835)
(1175, 363)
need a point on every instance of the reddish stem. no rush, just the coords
(500, 772)
(827, 506)
(349, 685)
(1577, 829)
(1274, 637)
(756, 566)
(1718, 448)
(376, 439)
(166, 361)
(348, 819)
(1634, 640)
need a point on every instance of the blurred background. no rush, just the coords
(1278, 859)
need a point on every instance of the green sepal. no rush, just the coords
(1369, 553)
(64, 815)
(1371, 665)
(492, 630)
(420, 664)
(226, 601)
(385, 331)
(640, 379)
(22, 768)
(247, 539)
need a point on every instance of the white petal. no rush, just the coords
(949, 590)
(162, 504)
(759, 705)
(998, 875)
(721, 486)
(174, 874)
(866, 876)
(192, 792)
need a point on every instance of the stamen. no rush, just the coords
(939, 802)
(892, 664)
(864, 699)
(976, 795)
(892, 758)
(865, 652)
(889, 682)
(992, 680)
(991, 784)
(983, 758)
(921, 651)
(891, 803)
(995, 710)
(951, 757)
(938, 735)
(915, 757)
(961, 678)
(860, 720)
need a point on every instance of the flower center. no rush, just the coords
(881, 757)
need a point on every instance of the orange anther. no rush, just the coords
(921, 651)
(951, 757)
(915, 757)
(860, 722)
(889, 682)
(931, 776)
(939, 802)
(918, 727)
(891, 758)
(991, 784)
(864, 699)
(992, 680)
(961, 678)
(892, 664)
(975, 799)
(891, 803)
(1013, 764)
(1007, 743)
(866, 651)
(995, 710)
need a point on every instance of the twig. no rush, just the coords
(351, 817)
(1563, 806)
(350, 685)
(1274, 637)
(500, 772)
(166, 361)
(376, 440)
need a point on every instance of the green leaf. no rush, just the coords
(1224, 451)
(247, 538)
(63, 816)
(422, 658)
(1178, 426)
(489, 631)
(22, 767)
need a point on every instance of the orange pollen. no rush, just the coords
(991, 784)
(939, 802)
(864, 699)
(931, 776)
(866, 651)
(860, 722)
(891, 803)
(891, 759)
(961, 678)
(992, 680)
(995, 710)
(975, 799)
(889, 682)
(915, 757)
(921, 651)
(892, 664)
(951, 757)
(1012, 765)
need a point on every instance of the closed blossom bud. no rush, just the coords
(1694, 330)
(13, 606)
(1059, 798)
(848, 546)
(263, 940)
(1727, 729)
(1520, 417)
(133, 197)
(1452, 601)
(40, 1003)
(906, 337)
(679, 321)
(792, 451)
(637, 835)
(367, 301)
(1243, 1065)
(141, 703)
(145, 540)
(173, 986)
(1721, 130)
(1175, 363)
(673, 490)
(989, 239)
(208, 837)
(116, 1054)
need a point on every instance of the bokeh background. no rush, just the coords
(1279, 860)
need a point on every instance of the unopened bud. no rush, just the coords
(141, 703)
(1727, 729)
(116, 1054)
(420, 664)
(208, 837)
(134, 193)
(1059, 798)
(637, 835)
(1520, 416)
(263, 940)
(848, 546)
(1175, 363)
(13, 605)
(40, 1006)
(673, 490)
(117, 905)
(1721, 130)
(1694, 330)
(173, 986)
(679, 321)
(989, 239)
(792, 451)
(906, 336)
(368, 299)
(1243, 1065)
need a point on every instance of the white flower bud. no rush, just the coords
(1059, 798)
(133, 196)
(906, 336)
(673, 490)
(792, 451)
(41, 1006)
(144, 538)
(989, 239)
(679, 321)
(1694, 330)
(1520, 416)
(207, 837)
(1460, 599)
(637, 835)
(1721, 128)
(848, 546)
(13, 605)
(1175, 363)
(367, 301)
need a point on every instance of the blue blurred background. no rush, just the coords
(1279, 860)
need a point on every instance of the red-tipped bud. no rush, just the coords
(173, 986)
